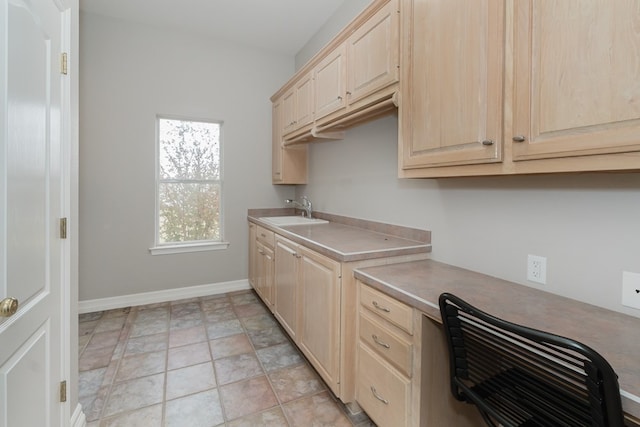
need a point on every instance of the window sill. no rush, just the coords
(189, 247)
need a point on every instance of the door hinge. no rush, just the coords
(63, 228)
(63, 391)
(63, 63)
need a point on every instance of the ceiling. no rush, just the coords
(282, 26)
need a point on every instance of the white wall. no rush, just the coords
(345, 14)
(130, 73)
(587, 225)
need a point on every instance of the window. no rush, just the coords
(189, 186)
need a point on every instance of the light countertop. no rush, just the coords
(345, 239)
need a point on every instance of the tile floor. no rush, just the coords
(213, 361)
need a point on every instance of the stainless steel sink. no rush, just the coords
(282, 221)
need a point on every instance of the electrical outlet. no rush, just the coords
(631, 289)
(537, 269)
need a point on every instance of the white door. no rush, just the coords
(31, 251)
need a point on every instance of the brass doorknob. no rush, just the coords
(8, 307)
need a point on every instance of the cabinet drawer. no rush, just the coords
(265, 236)
(389, 345)
(381, 390)
(388, 308)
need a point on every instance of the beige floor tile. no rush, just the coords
(236, 368)
(149, 416)
(146, 344)
(230, 346)
(188, 355)
(279, 356)
(247, 397)
(192, 379)
(141, 365)
(319, 410)
(180, 337)
(201, 409)
(157, 368)
(135, 394)
(272, 418)
(295, 382)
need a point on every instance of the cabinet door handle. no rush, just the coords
(487, 142)
(380, 343)
(377, 396)
(379, 307)
(339, 98)
(263, 235)
(261, 252)
(519, 138)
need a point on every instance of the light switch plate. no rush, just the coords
(631, 289)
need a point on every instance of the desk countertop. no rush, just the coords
(614, 335)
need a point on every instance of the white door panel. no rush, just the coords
(30, 207)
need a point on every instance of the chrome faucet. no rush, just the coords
(305, 205)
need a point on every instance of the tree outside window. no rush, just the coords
(189, 182)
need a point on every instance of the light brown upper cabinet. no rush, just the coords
(451, 86)
(288, 164)
(373, 54)
(577, 78)
(352, 80)
(298, 105)
(497, 87)
(330, 82)
(358, 79)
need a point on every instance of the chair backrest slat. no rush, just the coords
(519, 376)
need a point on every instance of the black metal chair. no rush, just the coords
(518, 376)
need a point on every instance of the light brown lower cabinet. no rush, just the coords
(314, 298)
(261, 263)
(385, 368)
(402, 374)
(307, 304)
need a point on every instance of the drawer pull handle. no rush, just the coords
(380, 343)
(377, 396)
(263, 235)
(260, 251)
(379, 307)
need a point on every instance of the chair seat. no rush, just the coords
(519, 376)
(521, 399)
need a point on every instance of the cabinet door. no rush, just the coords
(319, 332)
(253, 251)
(277, 126)
(267, 266)
(289, 110)
(265, 273)
(304, 101)
(373, 53)
(451, 112)
(288, 164)
(286, 289)
(329, 83)
(577, 90)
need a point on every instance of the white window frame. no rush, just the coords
(191, 246)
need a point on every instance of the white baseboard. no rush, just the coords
(78, 418)
(110, 303)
